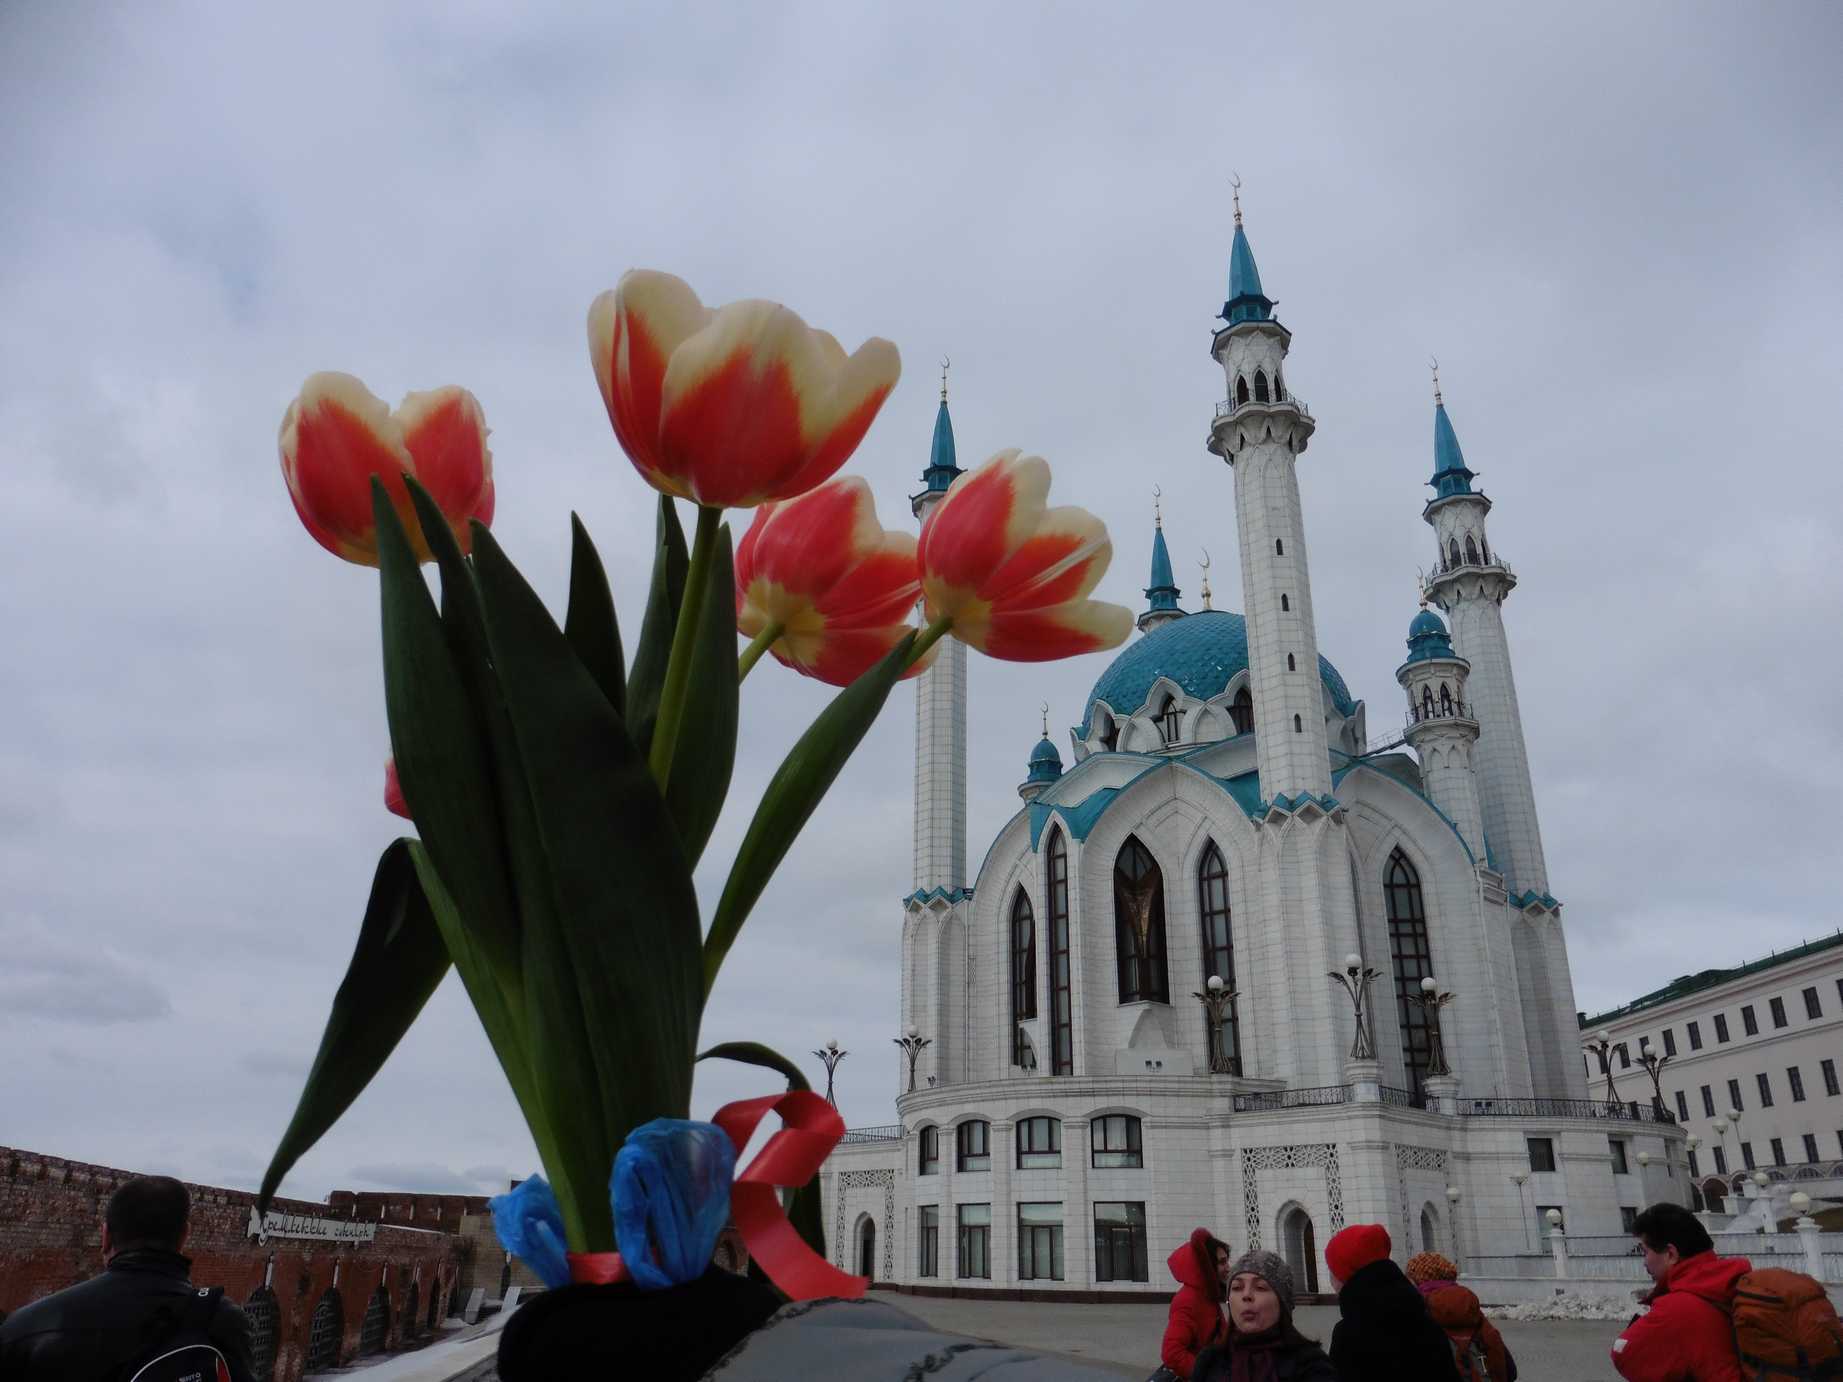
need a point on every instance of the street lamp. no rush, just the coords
(1654, 1067)
(1430, 1000)
(831, 1055)
(1218, 998)
(1601, 1044)
(1356, 979)
(1452, 1200)
(1522, 1178)
(913, 1043)
(1801, 1206)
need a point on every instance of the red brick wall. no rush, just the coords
(51, 1237)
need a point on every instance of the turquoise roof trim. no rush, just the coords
(1402, 770)
(1532, 897)
(1045, 762)
(943, 894)
(1427, 638)
(1163, 592)
(1079, 818)
(943, 464)
(1450, 475)
(1202, 652)
(1246, 301)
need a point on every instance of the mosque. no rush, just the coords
(1162, 952)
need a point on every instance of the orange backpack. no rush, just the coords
(1786, 1327)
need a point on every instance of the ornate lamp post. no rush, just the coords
(1430, 1000)
(1218, 998)
(1601, 1044)
(1452, 1214)
(1356, 979)
(1521, 1178)
(913, 1043)
(831, 1055)
(1654, 1067)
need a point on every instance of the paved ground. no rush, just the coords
(1128, 1335)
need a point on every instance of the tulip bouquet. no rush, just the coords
(564, 786)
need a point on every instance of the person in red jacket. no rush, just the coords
(1685, 1336)
(1201, 1267)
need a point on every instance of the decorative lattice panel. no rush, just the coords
(867, 1180)
(1415, 1159)
(1307, 1154)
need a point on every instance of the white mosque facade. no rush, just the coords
(1230, 815)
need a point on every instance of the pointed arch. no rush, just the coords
(1452, 551)
(1484, 549)
(1298, 725)
(1291, 666)
(1023, 970)
(1446, 699)
(1241, 711)
(1139, 924)
(1170, 719)
(1279, 386)
(1219, 944)
(1471, 551)
(1410, 959)
(1062, 1008)
(1286, 603)
(1426, 701)
(1241, 388)
(1110, 731)
(1260, 386)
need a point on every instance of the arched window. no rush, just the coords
(412, 1300)
(1298, 725)
(1471, 551)
(323, 1332)
(1061, 1000)
(973, 1146)
(1279, 547)
(1241, 389)
(1219, 946)
(1023, 971)
(1260, 386)
(1139, 924)
(1452, 551)
(1285, 603)
(376, 1326)
(1169, 718)
(1484, 550)
(265, 1327)
(1110, 732)
(1039, 1143)
(1291, 666)
(1411, 960)
(928, 1150)
(1426, 702)
(1446, 699)
(1116, 1141)
(1241, 712)
(1279, 387)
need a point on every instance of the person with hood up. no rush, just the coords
(1686, 1335)
(1201, 1266)
(1386, 1333)
(1455, 1309)
(1263, 1345)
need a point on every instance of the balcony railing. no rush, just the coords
(1404, 1098)
(1446, 710)
(890, 1132)
(1230, 406)
(1292, 1098)
(1563, 1108)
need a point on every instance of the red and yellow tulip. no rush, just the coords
(1012, 574)
(831, 585)
(337, 435)
(733, 406)
(393, 792)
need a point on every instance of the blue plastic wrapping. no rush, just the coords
(671, 1189)
(530, 1227)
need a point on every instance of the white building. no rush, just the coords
(1226, 815)
(1758, 1048)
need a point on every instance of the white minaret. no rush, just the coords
(940, 713)
(1260, 430)
(1469, 582)
(1441, 728)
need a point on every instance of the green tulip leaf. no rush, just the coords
(590, 625)
(646, 678)
(795, 791)
(396, 966)
(706, 753)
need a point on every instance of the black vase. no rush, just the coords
(621, 1331)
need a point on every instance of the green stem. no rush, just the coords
(929, 637)
(684, 638)
(753, 653)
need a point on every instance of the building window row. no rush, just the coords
(1750, 1023)
(1114, 1140)
(1119, 1241)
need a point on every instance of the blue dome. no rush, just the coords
(1045, 762)
(1202, 653)
(1427, 637)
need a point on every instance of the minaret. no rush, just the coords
(1469, 582)
(1441, 728)
(1260, 430)
(1161, 595)
(940, 711)
(1044, 767)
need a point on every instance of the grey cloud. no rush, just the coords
(53, 978)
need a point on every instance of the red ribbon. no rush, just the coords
(810, 1129)
(596, 1268)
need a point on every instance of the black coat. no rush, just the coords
(1386, 1334)
(1298, 1361)
(99, 1326)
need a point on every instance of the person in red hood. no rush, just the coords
(1201, 1267)
(1685, 1336)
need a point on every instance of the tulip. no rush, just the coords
(393, 792)
(337, 435)
(823, 585)
(1012, 576)
(734, 406)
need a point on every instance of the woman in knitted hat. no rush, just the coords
(1263, 1345)
(1386, 1334)
(1478, 1349)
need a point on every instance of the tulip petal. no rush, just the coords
(633, 331)
(445, 432)
(334, 437)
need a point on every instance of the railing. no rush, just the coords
(1449, 710)
(1292, 1098)
(890, 1132)
(1230, 406)
(1404, 1098)
(1394, 739)
(1564, 1108)
(1521, 1267)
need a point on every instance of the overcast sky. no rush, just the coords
(1618, 227)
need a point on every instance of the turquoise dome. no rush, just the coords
(1427, 638)
(1202, 653)
(1045, 762)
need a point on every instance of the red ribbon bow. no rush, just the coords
(810, 1129)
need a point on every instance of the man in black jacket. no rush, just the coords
(1386, 1334)
(96, 1328)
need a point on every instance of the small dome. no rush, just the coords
(1427, 637)
(1045, 762)
(1427, 622)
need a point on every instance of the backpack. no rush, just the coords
(185, 1353)
(1786, 1327)
(1469, 1359)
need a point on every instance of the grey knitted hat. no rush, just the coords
(1271, 1266)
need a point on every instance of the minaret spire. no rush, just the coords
(1161, 594)
(943, 465)
(940, 710)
